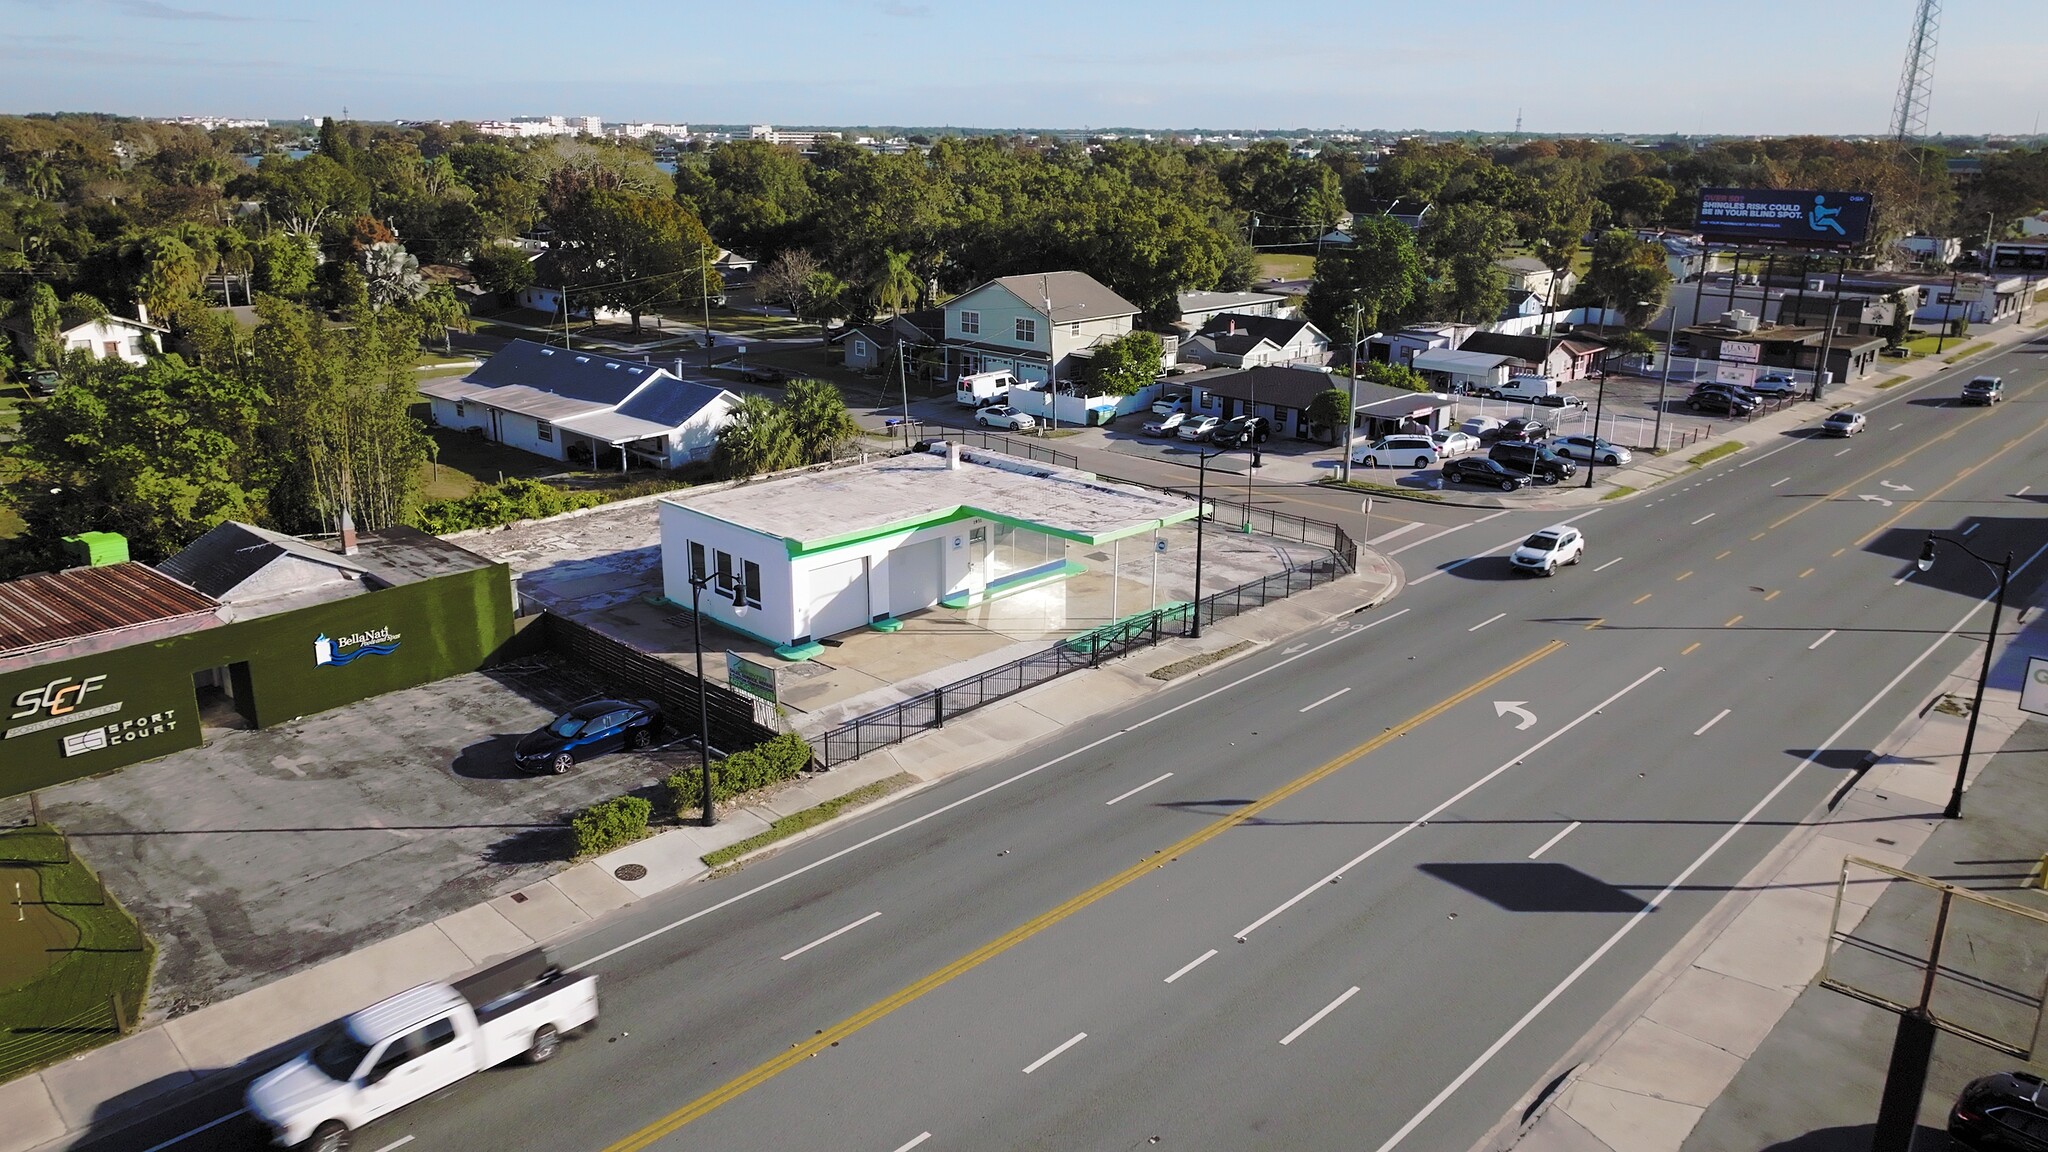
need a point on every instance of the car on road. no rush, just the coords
(2007, 1110)
(1774, 384)
(1242, 432)
(1532, 459)
(1524, 428)
(588, 730)
(1482, 471)
(1398, 452)
(1198, 428)
(1166, 425)
(1481, 428)
(1591, 448)
(1985, 390)
(1718, 400)
(763, 374)
(1843, 423)
(1451, 443)
(1558, 400)
(1548, 550)
(1004, 416)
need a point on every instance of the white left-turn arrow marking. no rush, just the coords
(1874, 499)
(1525, 718)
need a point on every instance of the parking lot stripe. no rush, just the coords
(1772, 595)
(1684, 574)
(1643, 597)
(1725, 555)
(829, 936)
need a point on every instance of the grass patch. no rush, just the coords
(810, 817)
(1620, 490)
(64, 963)
(1182, 667)
(1891, 382)
(1966, 350)
(1715, 453)
(1285, 265)
(1388, 489)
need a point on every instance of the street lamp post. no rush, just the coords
(697, 583)
(1351, 392)
(2004, 570)
(1599, 403)
(1670, 342)
(1201, 514)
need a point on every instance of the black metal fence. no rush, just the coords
(1277, 524)
(1024, 448)
(630, 672)
(1259, 593)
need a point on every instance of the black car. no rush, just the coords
(763, 375)
(591, 728)
(1533, 460)
(1986, 390)
(2003, 1111)
(1524, 428)
(43, 382)
(1480, 470)
(1715, 400)
(1241, 432)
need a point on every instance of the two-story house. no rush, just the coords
(1032, 325)
(1232, 340)
(1528, 274)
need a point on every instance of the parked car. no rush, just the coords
(1198, 428)
(1169, 404)
(1242, 432)
(1482, 471)
(1004, 416)
(1524, 428)
(588, 730)
(1165, 425)
(763, 374)
(1774, 384)
(2006, 1110)
(1548, 550)
(1532, 459)
(417, 1043)
(1710, 400)
(1727, 388)
(1481, 428)
(1986, 390)
(1452, 443)
(1558, 400)
(1590, 448)
(1398, 452)
(44, 381)
(1843, 423)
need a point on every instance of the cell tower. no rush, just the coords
(1916, 80)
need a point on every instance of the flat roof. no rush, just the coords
(819, 511)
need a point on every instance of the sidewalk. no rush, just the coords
(1683, 1061)
(50, 1109)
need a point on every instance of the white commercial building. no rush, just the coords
(796, 559)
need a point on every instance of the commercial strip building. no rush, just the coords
(1282, 394)
(1743, 346)
(794, 560)
(108, 665)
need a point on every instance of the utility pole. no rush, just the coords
(1947, 309)
(704, 277)
(1052, 368)
(903, 380)
(565, 319)
(1351, 411)
(1670, 347)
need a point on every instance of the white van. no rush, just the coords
(1525, 387)
(982, 389)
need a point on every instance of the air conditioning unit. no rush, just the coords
(1816, 285)
(1739, 319)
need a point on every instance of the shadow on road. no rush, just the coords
(1535, 886)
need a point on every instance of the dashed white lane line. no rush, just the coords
(920, 1138)
(1048, 1058)
(1485, 622)
(1493, 515)
(1823, 639)
(1430, 537)
(401, 1142)
(1609, 564)
(1677, 882)
(1191, 965)
(830, 936)
(1552, 842)
(1843, 452)
(1312, 1021)
(1718, 717)
(1896, 427)
(183, 1136)
(1139, 788)
(1390, 533)
(2024, 490)
(1456, 564)
(1775, 483)
(1324, 700)
(1703, 519)
(1245, 932)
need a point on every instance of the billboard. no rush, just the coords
(1784, 218)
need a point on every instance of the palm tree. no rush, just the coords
(40, 177)
(896, 285)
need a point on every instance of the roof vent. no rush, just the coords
(583, 359)
(547, 351)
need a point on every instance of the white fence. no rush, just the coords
(1626, 429)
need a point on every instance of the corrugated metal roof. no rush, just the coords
(586, 376)
(51, 607)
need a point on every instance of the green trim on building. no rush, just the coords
(962, 512)
(1021, 582)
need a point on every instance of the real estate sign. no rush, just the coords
(1785, 218)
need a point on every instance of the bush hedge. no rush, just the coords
(508, 503)
(611, 824)
(779, 759)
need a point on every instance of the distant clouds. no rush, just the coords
(906, 11)
(152, 10)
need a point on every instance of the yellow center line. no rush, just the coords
(1725, 555)
(1805, 574)
(1909, 509)
(1689, 648)
(1643, 597)
(1732, 620)
(1773, 595)
(1685, 573)
(798, 1053)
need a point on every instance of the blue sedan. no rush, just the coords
(591, 728)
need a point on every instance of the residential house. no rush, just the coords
(110, 338)
(1928, 251)
(870, 347)
(1283, 393)
(733, 265)
(1035, 326)
(569, 405)
(1459, 373)
(1528, 274)
(1560, 359)
(1401, 347)
(1197, 308)
(1522, 304)
(1238, 341)
(1414, 217)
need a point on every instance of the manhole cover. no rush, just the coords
(631, 871)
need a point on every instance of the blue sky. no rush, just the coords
(1580, 66)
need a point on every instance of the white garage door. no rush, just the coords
(915, 576)
(839, 598)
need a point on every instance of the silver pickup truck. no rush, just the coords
(418, 1042)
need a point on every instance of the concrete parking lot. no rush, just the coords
(262, 852)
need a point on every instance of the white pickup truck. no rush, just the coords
(417, 1043)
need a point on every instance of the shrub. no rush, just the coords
(779, 759)
(611, 824)
(508, 503)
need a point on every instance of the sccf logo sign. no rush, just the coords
(57, 698)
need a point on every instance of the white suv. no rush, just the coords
(1396, 451)
(1549, 548)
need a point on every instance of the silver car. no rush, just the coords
(1591, 448)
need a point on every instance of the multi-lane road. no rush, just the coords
(1361, 890)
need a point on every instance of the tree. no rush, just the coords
(501, 269)
(755, 440)
(1462, 242)
(757, 196)
(1330, 410)
(624, 250)
(1372, 279)
(815, 416)
(1902, 322)
(1128, 363)
(1393, 376)
(45, 323)
(784, 279)
(821, 300)
(1627, 274)
(171, 274)
(893, 284)
(284, 265)
(392, 274)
